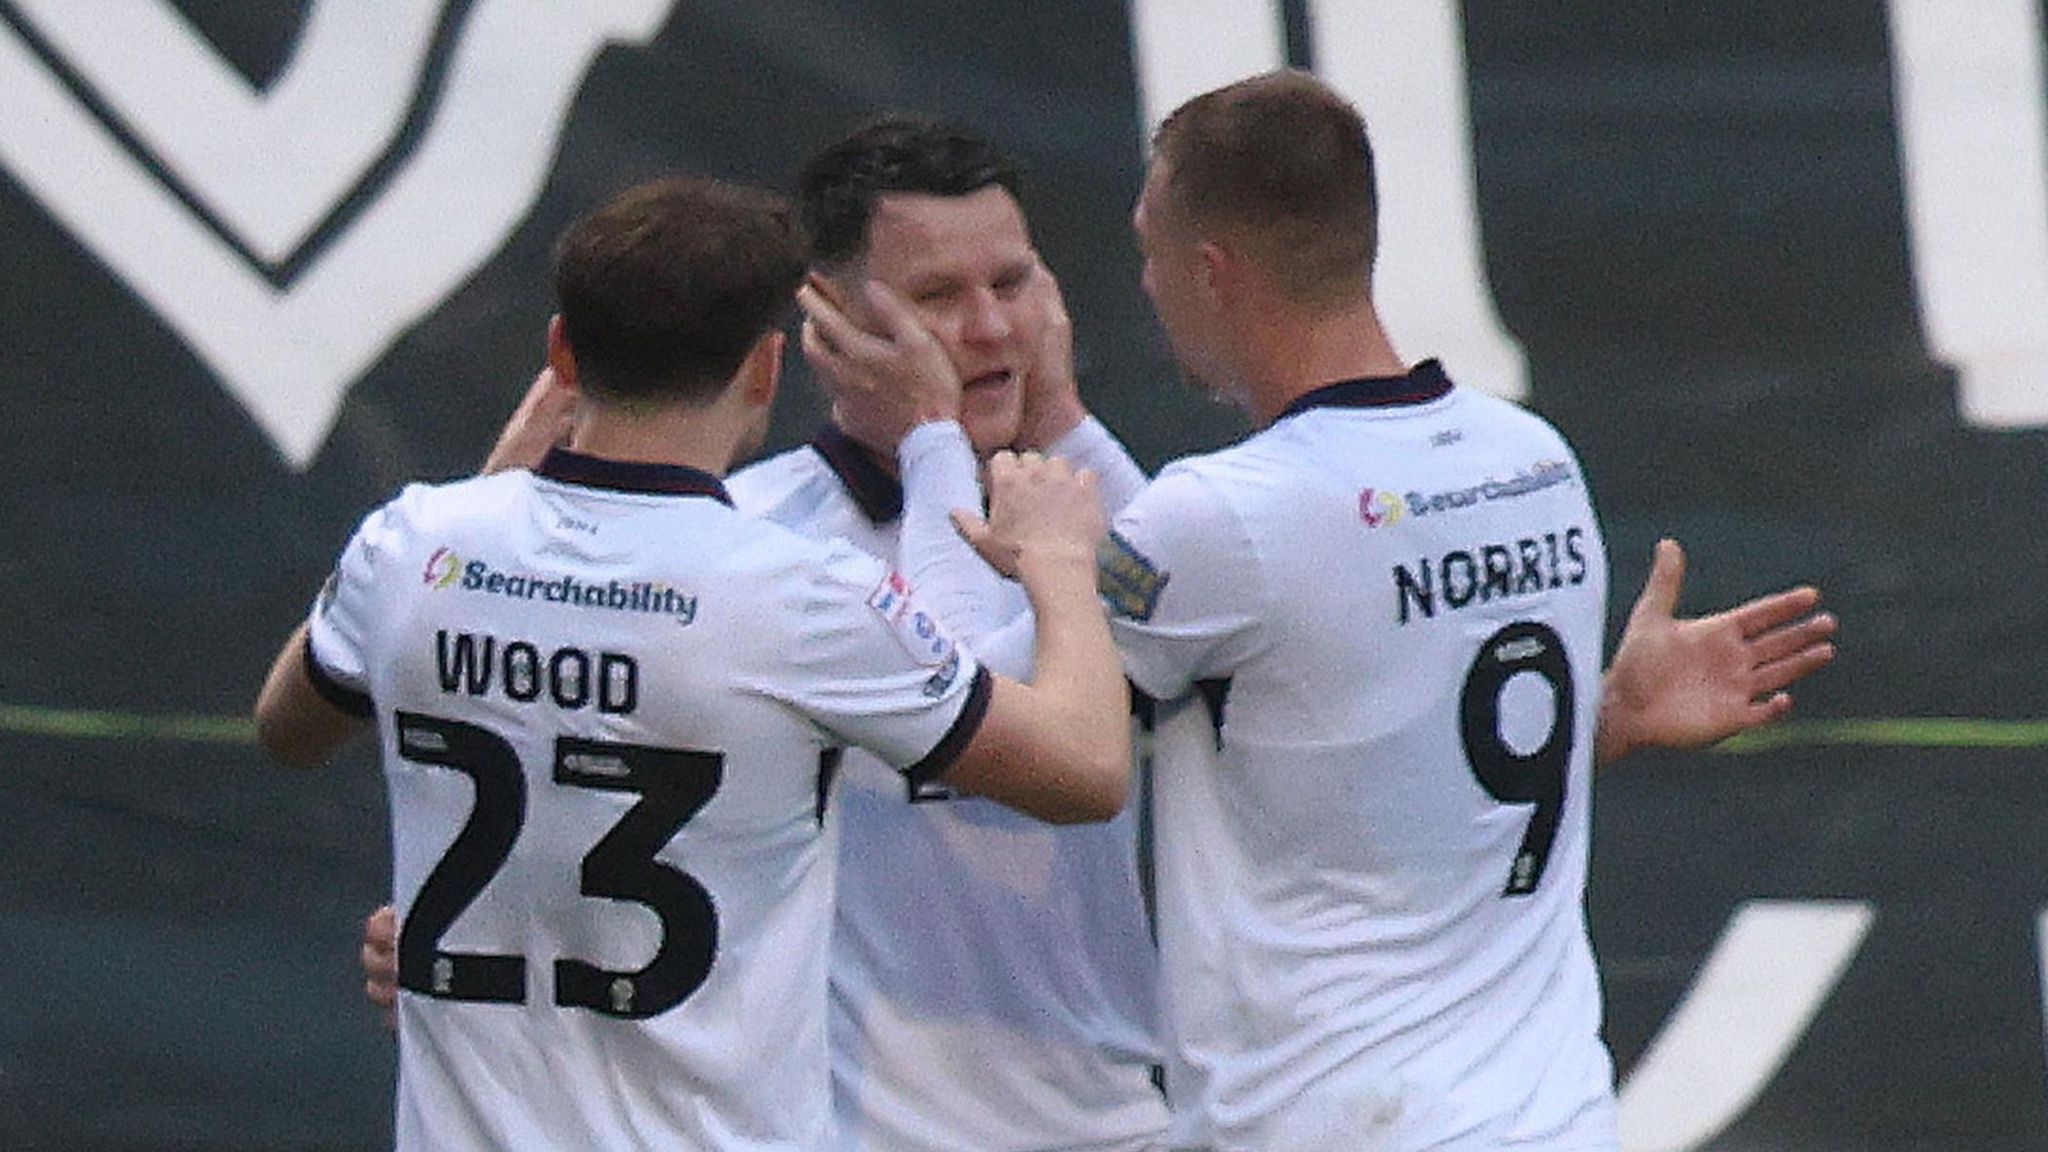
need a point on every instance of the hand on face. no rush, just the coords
(1052, 396)
(1038, 506)
(884, 377)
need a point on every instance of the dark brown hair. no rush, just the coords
(840, 185)
(1282, 162)
(665, 288)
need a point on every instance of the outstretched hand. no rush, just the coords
(1688, 682)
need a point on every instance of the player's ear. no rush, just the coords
(761, 371)
(562, 357)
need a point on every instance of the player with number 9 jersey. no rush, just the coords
(1386, 610)
(609, 708)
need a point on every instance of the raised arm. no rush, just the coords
(1680, 682)
(1058, 747)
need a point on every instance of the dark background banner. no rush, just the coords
(1695, 222)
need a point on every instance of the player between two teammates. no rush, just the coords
(1686, 680)
(608, 708)
(1372, 797)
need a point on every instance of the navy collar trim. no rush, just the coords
(1423, 383)
(878, 494)
(630, 476)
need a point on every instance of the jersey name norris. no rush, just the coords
(572, 677)
(1497, 571)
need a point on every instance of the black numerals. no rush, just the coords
(672, 784)
(1510, 777)
(475, 856)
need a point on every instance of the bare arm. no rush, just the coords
(295, 724)
(1058, 747)
(1688, 682)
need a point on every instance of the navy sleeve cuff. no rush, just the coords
(955, 740)
(356, 704)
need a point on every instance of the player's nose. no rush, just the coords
(987, 318)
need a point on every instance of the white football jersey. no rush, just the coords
(1381, 619)
(609, 708)
(992, 975)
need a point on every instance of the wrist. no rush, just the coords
(1614, 732)
(1055, 422)
(1056, 560)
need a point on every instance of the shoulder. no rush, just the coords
(1507, 418)
(1260, 466)
(422, 508)
(794, 488)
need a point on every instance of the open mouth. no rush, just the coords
(989, 380)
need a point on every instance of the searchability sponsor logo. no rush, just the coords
(1379, 507)
(445, 569)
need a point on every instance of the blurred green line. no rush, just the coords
(84, 724)
(1892, 732)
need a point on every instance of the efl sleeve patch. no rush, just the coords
(1127, 579)
(917, 630)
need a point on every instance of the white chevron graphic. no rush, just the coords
(288, 355)
(270, 164)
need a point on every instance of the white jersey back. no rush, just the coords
(1371, 874)
(609, 705)
(992, 975)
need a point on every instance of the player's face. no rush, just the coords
(1172, 277)
(964, 263)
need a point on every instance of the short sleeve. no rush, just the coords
(1181, 579)
(872, 667)
(338, 631)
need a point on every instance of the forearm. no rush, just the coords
(1059, 747)
(939, 474)
(1090, 444)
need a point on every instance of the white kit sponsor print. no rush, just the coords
(200, 191)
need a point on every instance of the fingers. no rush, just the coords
(543, 420)
(1768, 709)
(1047, 286)
(893, 314)
(1667, 572)
(845, 339)
(1784, 641)
(1767, 612)
(1777, 674)
(379, 958)
(819, 353)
